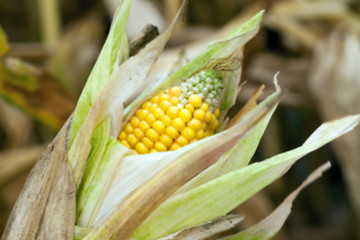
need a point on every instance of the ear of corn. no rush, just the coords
(119, 189)
(177, 116)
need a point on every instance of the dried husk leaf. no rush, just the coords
(334, 81)
(35, 92)
(48, 197)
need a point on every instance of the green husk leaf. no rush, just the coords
(114, 52)
(223, 194)
(80, 232)
(97, 179)
(268, 227)
(206, 230)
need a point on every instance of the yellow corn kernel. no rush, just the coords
(128, 128)
(143, 125)
(185, 115)
(164, 105)
(166, 140)
(178, 124)
(154, 99)
(153, 150)
(188, 133)
(160, 147)
(174, 147)
(208, 117)
(204, 107)
(122, 136)
(134, 121)
(163, 97)
(158, 126)
(195, 100)
(174, 101)
(208, 133)
(171, 132)
(189, 107)
(172, 112)
(138, 133)
(125, 143)
(150, 119)
(175, 91)
(194, 124)
(166, 120)
(141, 114)
(158, 113)
(147, 142)
(217, 113)
(181, 140)
(146, 105)
(199, 114)
(214, 124)
(131, 139)
(152, 107)
(152, 134)
(141, 148)
(199, 134)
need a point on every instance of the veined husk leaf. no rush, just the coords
(226, 192)
(268, 227)
(113, 53)
(207, 229)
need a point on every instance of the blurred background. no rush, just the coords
(50, 47)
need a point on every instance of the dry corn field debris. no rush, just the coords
(168, 146)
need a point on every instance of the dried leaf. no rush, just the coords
(35, 92)
(48, 197)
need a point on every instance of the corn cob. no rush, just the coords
(177, 116)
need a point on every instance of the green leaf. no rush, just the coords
(223, 194)
(96, 181)
(268, 227)
(114, 52)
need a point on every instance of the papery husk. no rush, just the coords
(335, 84)
(48, 197)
